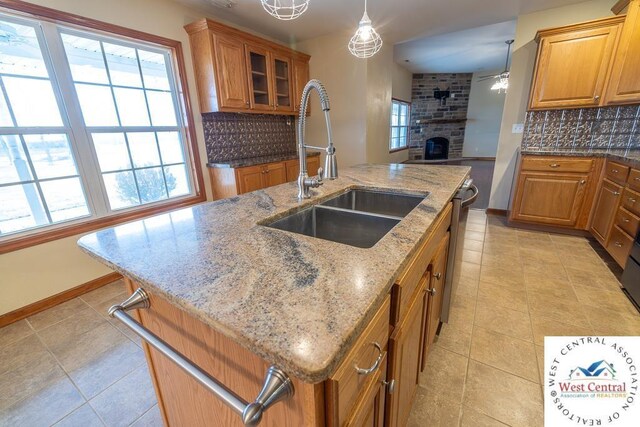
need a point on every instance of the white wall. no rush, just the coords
(522, 64)
(35, 273)
(360, 92)
(484, 116)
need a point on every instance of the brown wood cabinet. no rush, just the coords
(229, 182)
(624, 83)
(405, 347)
(573, 64)
(555, 191)
(239, 72)
(604, 210)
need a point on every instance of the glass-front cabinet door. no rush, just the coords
(282, 83)
(260, 79)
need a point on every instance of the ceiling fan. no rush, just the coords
(503, 77)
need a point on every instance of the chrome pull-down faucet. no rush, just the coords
(330, 171)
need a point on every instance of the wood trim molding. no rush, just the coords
(38, 306)
(497, 212)
(620, 6)
(395, 150)
(46, 13)
(588, 25)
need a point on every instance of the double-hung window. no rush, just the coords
(399, 134)
(91, 125)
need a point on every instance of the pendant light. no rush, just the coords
(285, 10)
(366, 42)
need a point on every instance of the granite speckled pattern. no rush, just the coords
(296, 301)
(252, 161)
(629, 156)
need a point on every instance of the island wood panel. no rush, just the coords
(405, 347)
(408, 283)
(624, 82)
(584, 51)
(345, 385)
(184, 402)
(549, 198)
(604, 211)
(369, 410)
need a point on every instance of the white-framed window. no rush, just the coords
(90, 126)
(399, 133)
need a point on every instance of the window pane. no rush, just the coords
(395, 132)
(85, 59)
(111, 149)
(121, 189)
(97, 106)
(65, 199)
(20, 51)
(161, 108)
(22, 93)
(5, 116)
(21, 208)
(154, 70)
(51, 155)
(170, 147)
(132, 107)
(177, 181)
(394, 108)
(13, 161)
(403, 133)
(151, 185)
(123, 65)
(403, 119)
(394, 120)
(144, 151)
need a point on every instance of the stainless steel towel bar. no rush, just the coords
(277, 385)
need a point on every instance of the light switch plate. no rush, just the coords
(517, 128)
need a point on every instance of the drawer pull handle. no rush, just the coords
(277, 385)
(597, 97)
(432, 291)
(618, 244)
(554, 165)
(583, 182)
(625, 220)
(437, 276)
(636, 179)
(376, 364)
(632, 200)
(390, 385)
(614, 170)
(615, 193)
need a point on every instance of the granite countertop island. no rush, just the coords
(632, 156)
(296, 301)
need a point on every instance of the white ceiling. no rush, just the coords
(466, 51)
(395, 20)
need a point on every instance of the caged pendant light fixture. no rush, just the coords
(285, 10)
(366, 42)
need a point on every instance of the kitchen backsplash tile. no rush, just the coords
(615, 128)
(233, 136)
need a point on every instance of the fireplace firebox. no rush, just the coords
(436, 148)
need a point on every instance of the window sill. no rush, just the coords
(395, 150)
(23, 242)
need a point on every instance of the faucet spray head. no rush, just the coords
(330, 163)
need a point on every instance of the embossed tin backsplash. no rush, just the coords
(233, 136)
(613, 128)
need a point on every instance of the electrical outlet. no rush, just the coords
(517, 128)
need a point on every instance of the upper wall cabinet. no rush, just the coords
(239, 72)
(624, 84)
(573, 64)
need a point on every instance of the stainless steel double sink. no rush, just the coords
(357, 217)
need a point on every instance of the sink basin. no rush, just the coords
(357, 218)
(376, 202)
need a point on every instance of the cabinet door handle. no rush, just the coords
(583, 182)
(376, 364)
(554, 165)
(437, 276)
(432, 291)
(615, 193)
(247, 102)
(632, 200)
(636, 179)
(391, 385)
(614, 171)
(596, 97)
(625, 220)
(618, 244)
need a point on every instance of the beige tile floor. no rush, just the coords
(513, 288)
(72, 366)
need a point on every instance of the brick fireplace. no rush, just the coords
(437, 119)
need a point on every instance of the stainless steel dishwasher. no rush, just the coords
(465, 196)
